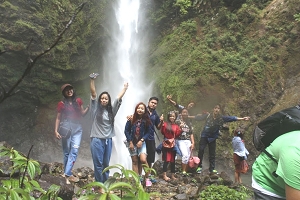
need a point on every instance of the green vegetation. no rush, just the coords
(221, 192)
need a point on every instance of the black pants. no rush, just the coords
(172, 165)
(211, 152)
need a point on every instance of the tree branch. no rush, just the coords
(31, 62)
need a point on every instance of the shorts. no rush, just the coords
(150, 144)
(137, 151)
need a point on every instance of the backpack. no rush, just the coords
(277, 124)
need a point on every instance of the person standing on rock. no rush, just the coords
(103, 112)
(210, 133)
(240, 154)
(185, 139)
(137, 131)
(170, 130)
(69, 113)
(150, 142)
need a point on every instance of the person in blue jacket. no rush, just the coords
(137, 130)
(210, 133)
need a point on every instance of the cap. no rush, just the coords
(65, 85)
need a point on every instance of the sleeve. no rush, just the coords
(93, 107)
(60, 106)
(79, 101)
(289, 166)
(229, 118)
(127, 131)
(178, 131)
(157, 120)
(116, 105)
(201, 117)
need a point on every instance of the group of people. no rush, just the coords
(140, 140)
(139, 131)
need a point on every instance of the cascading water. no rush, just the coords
(122, 63)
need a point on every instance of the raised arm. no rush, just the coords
(169, 97)
(93, 88)
(121, 94)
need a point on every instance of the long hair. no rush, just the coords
(169, 123)
(145, 116)
(74, 102)
(101, 109)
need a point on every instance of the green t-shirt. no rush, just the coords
(286, 150)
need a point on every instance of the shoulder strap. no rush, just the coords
(272, 158)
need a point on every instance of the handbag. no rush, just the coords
(169, 143)
(193, 161)
(244, 166)
(64, 131)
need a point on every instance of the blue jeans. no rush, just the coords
(71, 146)
(101, 152)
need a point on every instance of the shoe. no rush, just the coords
(73, 179)
(152, 179)
(93, 75)
(148, 182)
(184, 173)
(199, 170)
(214, 172)
(141, 179)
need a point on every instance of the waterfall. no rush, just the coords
(122, 63)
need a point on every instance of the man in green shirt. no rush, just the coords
(278, 180)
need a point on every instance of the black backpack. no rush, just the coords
(279, 123)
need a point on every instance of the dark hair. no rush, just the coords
(169, 125)
(153, 98)
(101, 108)
(74, 102)
(144, 117)
(239, 132)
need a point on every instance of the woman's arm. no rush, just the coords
(121, 94)
(161, 122)
(84, 111)
(192, 141)
(57, 122)
(93, 89)
(169, 97)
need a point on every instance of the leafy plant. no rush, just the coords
(127, 181)
(24, 186)
(221, 192)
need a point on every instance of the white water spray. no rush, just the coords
(123, 64)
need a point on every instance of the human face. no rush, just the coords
(104, 99)
(172, 117)
(190, 105)
(184, 114)
(216, 109)
(152, 104)
(140, 110)
(68, 92)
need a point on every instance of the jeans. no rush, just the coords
(71, 146)
(101, 152)
(211, 152)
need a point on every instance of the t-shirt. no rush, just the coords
(103, 129)
(68, 111)
(286, 150)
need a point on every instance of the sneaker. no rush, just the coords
(214, 172)
(152, 179)
(93, 75)
(184, 173)
(148, 182)
(199, 170)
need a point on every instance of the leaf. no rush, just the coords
(114, 197)
(31, 169)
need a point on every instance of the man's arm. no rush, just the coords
(291, 193)
(121, 94)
